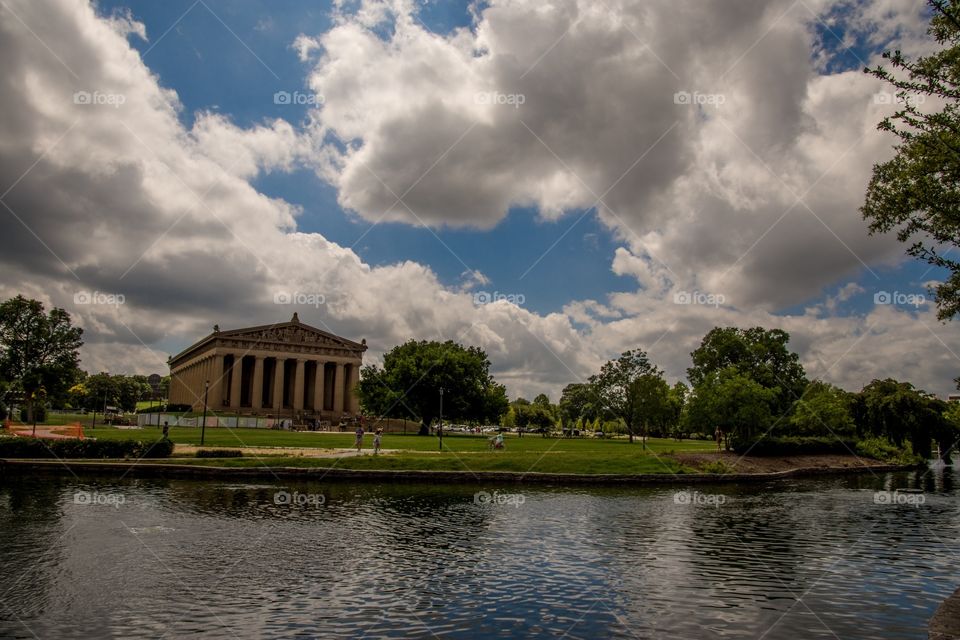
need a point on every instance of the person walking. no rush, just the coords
(359, 438)
(376, 441)
(166, 429)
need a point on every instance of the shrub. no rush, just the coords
(717, 466)
(178, 408)
(794, 445)
(884, 450)
(219, 453)
(27, 447)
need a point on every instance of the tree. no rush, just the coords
(678, 400)
(652, 403)
(897, 411)
(579, 401)
(542, 400)
(38, 350)
(615, 386)
(917, 193)
(734, 402)
(408, 385)
(823, 410)
(758, 354)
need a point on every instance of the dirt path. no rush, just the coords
(771, 464)
(190, 450)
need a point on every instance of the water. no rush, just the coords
(92, 557)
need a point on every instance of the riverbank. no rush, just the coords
(945, 623)
(221, 469)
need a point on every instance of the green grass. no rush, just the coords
(222, 437)
(462, 452)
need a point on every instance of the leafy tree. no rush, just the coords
(897, 411)
(579, 400)
(652, 406)
(917, 193)
(756, 353)
(734, 402)
(949, 443)
(823, 410)
(678, 399)
(615, 385)
(38, 350)
(542, 400)
(534, 417)
(408, 385)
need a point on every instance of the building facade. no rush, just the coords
(287, 370)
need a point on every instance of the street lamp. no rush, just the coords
(441, 419)
(203, 426)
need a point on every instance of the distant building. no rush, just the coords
(953, 397)
(154, 381)
(270, 369)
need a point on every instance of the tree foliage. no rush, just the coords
(408, 385)
(759, 354)
(39, 351)
(917, 193)
(616, 386)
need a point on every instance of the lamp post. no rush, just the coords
(440, 430)
(203, 425)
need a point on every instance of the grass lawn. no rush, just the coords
(462, 452)
(239, 438)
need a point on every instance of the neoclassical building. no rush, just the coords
(280, 369)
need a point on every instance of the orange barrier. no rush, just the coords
(79, 428)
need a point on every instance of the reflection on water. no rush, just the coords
(798, 559)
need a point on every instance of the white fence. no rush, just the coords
(232, 422)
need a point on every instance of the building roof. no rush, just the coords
(217, 334)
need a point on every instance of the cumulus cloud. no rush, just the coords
(557, 105)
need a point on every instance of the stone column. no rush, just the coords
(298, 385)
(278, 385)
(354, 404)
(236, 376)
(216, 382)
(318, 387)
(256, 397)
(339, 384)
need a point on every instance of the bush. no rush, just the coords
(884, 450)
(219, 453)
(717, 466)
(178, 408)
(27, 447)
(795, 445)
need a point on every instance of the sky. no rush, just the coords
(556, 181)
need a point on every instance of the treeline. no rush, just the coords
(749, 386)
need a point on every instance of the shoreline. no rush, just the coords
(945, 623)
(138, 469)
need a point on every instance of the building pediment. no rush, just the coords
(292, 337)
